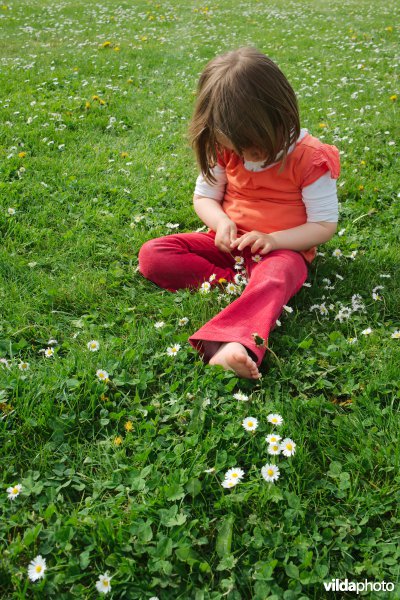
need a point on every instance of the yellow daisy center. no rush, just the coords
(15, 490)
(289, 446)
(234, 474)
(38, 568)
(270, 472)
(105, 582)
(250, 423)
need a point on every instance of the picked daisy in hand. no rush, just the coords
(250, 423)
(103, 585)
(270, 473)
(275, 419)
(36, 568)
(14, 491)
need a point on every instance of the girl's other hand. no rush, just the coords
(259, 242)
(225, 234)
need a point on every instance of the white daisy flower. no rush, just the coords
(5, 363)
(231, 288)
(49, 352)
(337, 253)
(102, 375)
(205, 287)
(52, 342)
(270, 473)
(11, 211)
(239, 260)
(103, 585)
(288, 447)
(307, 284)
(278, 323)
(235, 473)
(367, 331)
(353, 254)
(250, 423)
(240, 396)
(376, 296)
(275, 419)
(257, 258)
(14, 491)
(23, 366)
(288, 309)
(159, 324)
(213, 276)
(274, 449)
(209, 470)
(93, 345)
(273, 438)
(396, 334)
(183, 321)
(229, 483)
(352, 340)
(173, 350)
(341, 232)
(36, 568)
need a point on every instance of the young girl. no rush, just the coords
(267, 193)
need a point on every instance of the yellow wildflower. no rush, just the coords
(106, 44)
(21, 154)
(118, 440)
(393, 98)
(128, 426)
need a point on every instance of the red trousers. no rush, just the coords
(186, 260)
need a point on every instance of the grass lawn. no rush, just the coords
(121, 449)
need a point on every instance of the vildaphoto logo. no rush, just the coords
(344, 585)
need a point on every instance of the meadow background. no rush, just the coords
(125, 476)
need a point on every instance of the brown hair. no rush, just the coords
(244, 96)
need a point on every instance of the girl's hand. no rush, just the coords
(225, 234)
(260, 242)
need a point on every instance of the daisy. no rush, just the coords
(231, 288)
(36, 568)
(240, 396)
(173, 350)
(212, 277)
(234, 473)
(239, 260)
(11, 211)
(288, 309)
(209, 470)
(352, 340)
(353, 254)
(337, 253)
(93, 345)
(367, 331)
(274, 449)
(14, 491)
(23, 366)
(275, 419)
(288, 447)
(273, 438)
(229, 483)
(183, 321)
(103, 585)
(102, 375)
(257, 258)
(49, 352)
(205, 287)
(396, 334)
(250, 423)
(270, 473)
(52, 342)
(278, 323)
(159, 324)
(5, 362)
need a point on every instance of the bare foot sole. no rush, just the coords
(233, 356)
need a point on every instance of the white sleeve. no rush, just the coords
(320, 199)
(212, 190)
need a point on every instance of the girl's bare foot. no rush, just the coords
(233, 356)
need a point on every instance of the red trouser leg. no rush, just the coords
(272, 283)
(184, 260)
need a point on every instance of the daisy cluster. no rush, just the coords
(276, 446)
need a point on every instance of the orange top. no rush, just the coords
(271, 200)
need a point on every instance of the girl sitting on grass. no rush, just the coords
(267, 193)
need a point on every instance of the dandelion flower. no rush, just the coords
(103, 585)
(270, 473)
(274, 449)
(275, 419)
(240, 396)
(288, 447)
(173, 350)
(235, 473)
(36, 568)
(102, 375)
(118, 440)
(14, 491)
(396, 334)
(250, 423)
(93, 345)
(23, 366)
(182, 322)
(128, 426)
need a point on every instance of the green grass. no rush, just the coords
(145, 510)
